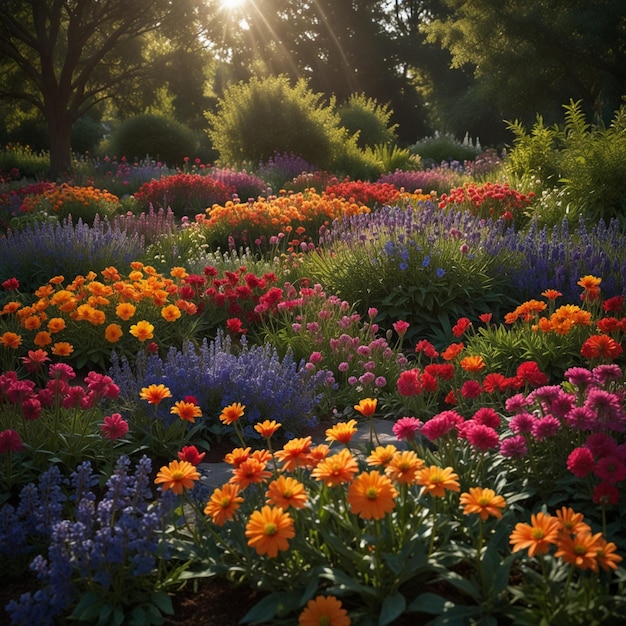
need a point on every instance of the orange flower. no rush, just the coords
(336, 469)
(125, 310)
(589, 283)
(371, 495)
(341, 432)
(62, 348)
(11, 340)
(484, 502)
(473, 363)
(452, 351)
(538, 536)
(31, 323)
(572, 522)
(381, 455)
(436, 480)
(56, 280)
(187, 411)
(232, 413)
(237, 456)
(269, 530)
(248, 472)
(267, 428)
(153, 394)
(579, 550)
(601, 346)
(403, 467)
(325, 610)
(317, 454)
(551, 294)
(142, 330)
(42, 338)
(10, 307)
(295, 453)
(286, 491)
(113, 333)
(606, 555)
(56, 324)
(178, 272)
(178, 475)
(170, 313)
(367, 407)
(223, 504)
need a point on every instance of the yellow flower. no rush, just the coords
(336, 469)
(142, 330)
(538, 536)
(326, 610)
(153, 394)
(178, 475)
(56, 324)
(170, 313)
(11, 340)
(62, 348)
(267, 428)
(223, 504)
(42, 338)
(367, 407)
(403, 467)
(113, 333)
(186, 411)
(341, 432)
(286, 491)
(125, 310)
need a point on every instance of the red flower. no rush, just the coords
(11, 284)
(10, 441)
(605, 494)
(471, 389)
(461, 326)
(427, 348)
(191, 455)
(613, 304)
(530, 373)
(601, 346)
(234, 326)
(409, 383)
(580, 462)
(114, 427)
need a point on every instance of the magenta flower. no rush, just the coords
(580, 462)
(605, 493)
(406, 427)
(481, 437)
(521, 423)
(545, 427)
(579, 376)
(514, 447)
(487, 416)
(401, 327)
(610, 469)
(114, 427)
(10, 441)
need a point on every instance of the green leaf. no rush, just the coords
(393, 607)
(428, 603)
(267, 608)
(88, 608)
(163, 602)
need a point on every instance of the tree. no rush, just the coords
(530, 57)
(65, 56)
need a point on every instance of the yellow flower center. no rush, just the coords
(484, 501)
(270, 529)
(225, 502)
(538, 533)
(324, 620)
(371, 493)
(178, 475)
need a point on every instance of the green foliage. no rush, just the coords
(445, 147)
(369, 119)
(257, 119)
(30, 164)
(160, 137)
(86, 134)
(392, 158)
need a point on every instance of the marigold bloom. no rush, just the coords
(113, 333)
(187, 411)
(601, 346)
(341, 432)
(42, 339)
(472, 363)
(114, 426)
(336, 469)
(232, 413)
(579, 550)
(125, 310)
(142, 330)
(250, 471)
(286, 491)
(56, 324)
(325, 610)
(366, 407)
(223, 504)
(589, 282)
(436, 480)
(295, 453)
(538, 536)
(170, 313)
(62, 348)
(606, 555)
(381, 455)
(11, 340)
(483, 502)
(403, 467)
(267, 428)
(153, 394)
(269, 530)
(178, 475)
(371, 495)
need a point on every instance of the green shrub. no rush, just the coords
(445, 147)
(257, 119)
(30, 164)
(86, 134)
(160, 137)
(369, 119)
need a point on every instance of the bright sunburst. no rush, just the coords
(231, 4)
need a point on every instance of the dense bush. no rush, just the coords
(369, 119)
(254, 120)
(445, 147)
(160, 137)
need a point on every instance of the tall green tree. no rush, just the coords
(65, 56)
(530, 57)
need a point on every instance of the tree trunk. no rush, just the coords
(60, 132)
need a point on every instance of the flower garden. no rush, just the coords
(148, 315)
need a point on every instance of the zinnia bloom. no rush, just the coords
(223, 504)
(269, 530)
(114, 426)
(232, 413)
(538, 536)
(341, 432)
(483, 502)
(326, 610)
(267, 428)
(336, 469)
(295, 453)
(153, 394)
(436, 480)
(187, 411)
(366, 407)
(371, 495)
(406, 427)
(403, 467)
(286, 491)
(142, 330)
(178, 475)
(473, 363)
(601, 346)
(409, 383)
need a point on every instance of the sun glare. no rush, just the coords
(231, 4)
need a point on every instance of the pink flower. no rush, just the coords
(471, 389)
(10, 441)
(581, 418)
(409, 383)
(580, 462)
(521, 423)
(401, 327)
(579, 376)
(605, 494)
(35, 360)
(481, 437)
(487, 416)
(441, 424)
(191, 455)
(514, 447)
(406, 427)
(316, 357)
(610, 469)
(62, 371)
(545, 427)
(31, 409)
(114, 427)
(516, 403)
(601, 444)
